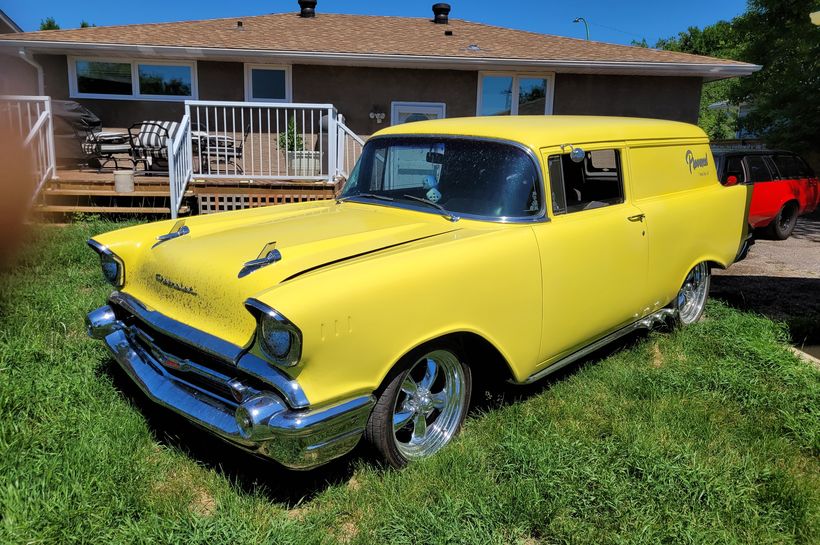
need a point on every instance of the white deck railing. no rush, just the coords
(180, 164)
(29, 118)
(349, 148)
(263, 141)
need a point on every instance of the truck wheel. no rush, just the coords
(783, 224)
(691, 299)
(422, 408)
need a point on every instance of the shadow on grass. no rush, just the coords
(795, 301)
(254, 474)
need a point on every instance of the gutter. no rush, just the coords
(709, 71)
(41, 85)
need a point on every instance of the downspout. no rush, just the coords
(41, 84)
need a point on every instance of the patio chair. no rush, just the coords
(148, 140)
(219, 149)
(101, 148)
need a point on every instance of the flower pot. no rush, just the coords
(304, 163)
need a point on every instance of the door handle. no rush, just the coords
(636, 217)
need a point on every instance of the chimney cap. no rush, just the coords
(307, 8)
(441, 12)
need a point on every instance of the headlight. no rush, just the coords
(112, 268)
(279, 339)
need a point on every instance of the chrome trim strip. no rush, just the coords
(216, 347)
(176, 232)
(541, 217)
(103, 250)
(648, 322)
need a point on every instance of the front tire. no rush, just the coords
(691, 299)
(422, 408)
(783, 224)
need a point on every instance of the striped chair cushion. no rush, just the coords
(153, 133)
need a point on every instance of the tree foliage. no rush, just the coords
(784, 97)
(49, 24)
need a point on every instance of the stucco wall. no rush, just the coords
(17, 77)
(672, 98)
(357, 91)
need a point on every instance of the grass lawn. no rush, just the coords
(706, 435)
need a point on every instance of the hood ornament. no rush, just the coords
(268, 256)
(179, 229)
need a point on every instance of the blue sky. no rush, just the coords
(610, 20)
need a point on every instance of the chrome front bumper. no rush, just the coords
(254, 415)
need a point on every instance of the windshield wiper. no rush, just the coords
(447, 214)
(368, 195)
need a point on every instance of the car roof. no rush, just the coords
(717, 152)
(537, 131)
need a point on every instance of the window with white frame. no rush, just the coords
(514, 93)
(131, 79)
(407, 112)
(267, 83)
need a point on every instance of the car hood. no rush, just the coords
(196, 278)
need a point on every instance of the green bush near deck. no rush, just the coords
(705, 435)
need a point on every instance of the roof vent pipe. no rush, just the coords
(441, 13)
(307, 8)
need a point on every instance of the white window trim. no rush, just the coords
(249, 87)
(434, 107)
(135, 91)
(516, 76)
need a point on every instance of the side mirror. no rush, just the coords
(731, 180)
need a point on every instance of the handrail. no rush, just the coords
(350, 133)
(259, 104)
(42, 120)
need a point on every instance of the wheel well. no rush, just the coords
(791, 202)
(474, 347)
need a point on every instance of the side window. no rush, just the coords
(734, 167)
(758, 171)
(592, 183)
(790, 167)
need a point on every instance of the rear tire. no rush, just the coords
(783, 224)
(423, 407)
(691, 299)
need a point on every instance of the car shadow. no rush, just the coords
(251, 473)
(793, 300)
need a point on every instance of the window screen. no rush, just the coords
(592, 183)
(758, 171)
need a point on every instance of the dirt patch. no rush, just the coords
(657, 356)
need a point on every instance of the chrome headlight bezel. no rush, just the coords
(269, 323)
(107, 259)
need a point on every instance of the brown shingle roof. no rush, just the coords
(367, 35)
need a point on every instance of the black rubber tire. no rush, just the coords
(783, 224)
(379, 429)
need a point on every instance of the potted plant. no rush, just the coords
(300, 162)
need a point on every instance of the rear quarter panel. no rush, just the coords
(690, 216)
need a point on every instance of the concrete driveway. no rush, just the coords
(780, 279)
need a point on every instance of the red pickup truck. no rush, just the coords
(784, 186)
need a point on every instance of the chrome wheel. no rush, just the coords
(430, 405)
(691, 298)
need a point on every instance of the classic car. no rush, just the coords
(458, 249)
(784, 187)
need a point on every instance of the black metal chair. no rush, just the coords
(149, 144)
(219, 149)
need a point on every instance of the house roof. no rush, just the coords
(376, 40)
(9, 22)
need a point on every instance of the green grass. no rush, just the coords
(706, 435)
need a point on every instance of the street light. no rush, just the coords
(586, 25)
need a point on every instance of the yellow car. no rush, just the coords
(503, 247)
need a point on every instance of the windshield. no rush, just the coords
(472, 177)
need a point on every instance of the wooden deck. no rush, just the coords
(90, 192)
